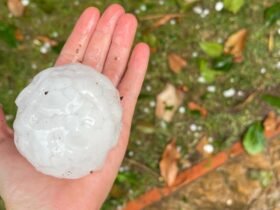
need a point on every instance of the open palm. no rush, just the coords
(104, 43)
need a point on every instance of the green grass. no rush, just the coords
(225, 122)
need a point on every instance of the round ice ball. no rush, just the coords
(68, 119)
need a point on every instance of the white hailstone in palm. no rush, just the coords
(68, 119)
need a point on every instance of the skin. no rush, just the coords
(105, 43)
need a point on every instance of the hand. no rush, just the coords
(105, 44)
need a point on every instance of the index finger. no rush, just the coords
(77, 42)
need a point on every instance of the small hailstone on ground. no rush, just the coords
(152, 104)
(263, 70)
(143, 7)
(205, 13)
(198, 10)
(194, 54)
(130, 153)
(208, 148)
(34, 66)
(182, 110)
(210, 139)
(9, 117)
(68, 119)
(278, 65)
(220, 40)
(148, 88)
(54, 34)
(138, 142)
(193, 127)
(146, 110)
(161, 2)
(201, 79)
(163, 124)
(240, 93)
(211, 89)
(229, 93)
(45, 48)
(219, 6)
(172, 22)
(25, 2)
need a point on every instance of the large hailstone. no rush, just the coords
(68, 118)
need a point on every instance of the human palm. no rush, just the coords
(104, 43)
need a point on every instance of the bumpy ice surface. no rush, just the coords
(68, 118)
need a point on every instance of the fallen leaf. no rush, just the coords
(235, 44)
(271, 41)
(164, 19)
(200, 147)
(254, 139)
(234, 5)
(19, 35)
(212, 49)
(16, 7)
(271, 122)
(207, 73)
(46, 39)
(169, 163)
(196, 107)
(176, 62)
(168, 102)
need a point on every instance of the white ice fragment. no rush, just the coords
(201, 79)
(219, 6)
(25, 2)
(211, 88)
(143, 7)
(182, 110)
(193, 127)
(152, 104)
(198, 10)
(68, 119)
(208, 148)
(229, 93)
(263, 70)
(278, 65)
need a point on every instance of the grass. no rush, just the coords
(225, 122)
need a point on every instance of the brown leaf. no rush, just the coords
(271, 122)
(176, 62)
(46, 39)
(168, 102)
(19, 35)
(164, 19)
(235, 44)
(169, 163)
(196, 107)
(16, 7)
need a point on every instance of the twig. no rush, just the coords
(142, 166)
(157, 16)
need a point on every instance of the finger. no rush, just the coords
(132, 81)
(77, 42)
(118, 55)
(100, 41)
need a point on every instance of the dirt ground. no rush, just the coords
(244, 183)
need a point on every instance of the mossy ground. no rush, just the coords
(225, 122)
